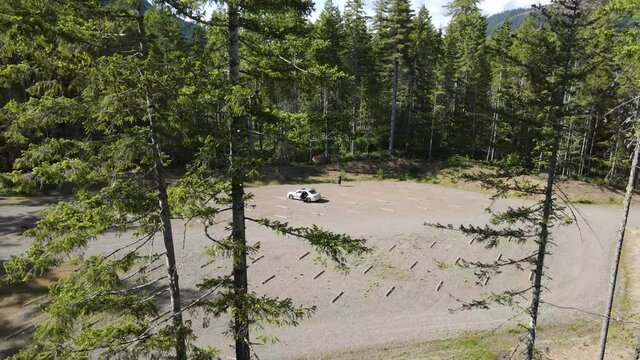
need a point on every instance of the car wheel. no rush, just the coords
(290, 197)
(307, 200)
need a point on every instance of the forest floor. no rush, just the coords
(449, 174)
(413, 321)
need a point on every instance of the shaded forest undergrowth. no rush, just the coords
(448, 173)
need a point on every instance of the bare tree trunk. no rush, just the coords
(240, 315)
(604, 330)
(394, 107)
(165, 211)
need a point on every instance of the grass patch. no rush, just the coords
(372, 287)
(469, 346)
(583, 200)
(579, 337)
(615, 200)
(387, 271)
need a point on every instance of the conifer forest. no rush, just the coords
(475, 179)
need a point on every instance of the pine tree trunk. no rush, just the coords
(492, 146)
(544, 238)
(433, 121)
(170, 257)
(394, 107)
(240, 315)
(604, 330)
(558, 115)
(165, 211)
(411, 125)
(613, 158)
(326, 122)
(356, 103)
(282, 140)
(494, 124)
(474, 124)
(592, 145)
(566, 171)
(583, 151)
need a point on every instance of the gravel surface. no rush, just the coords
(391, 216)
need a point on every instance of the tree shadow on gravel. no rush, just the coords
(16, 224)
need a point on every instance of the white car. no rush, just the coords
(305, 194)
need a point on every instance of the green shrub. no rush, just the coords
(458, 161)
(343, 175)
(512, 160)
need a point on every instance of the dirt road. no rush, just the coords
(391, 216)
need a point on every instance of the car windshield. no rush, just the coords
(312, 191)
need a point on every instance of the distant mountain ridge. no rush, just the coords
(517, 17)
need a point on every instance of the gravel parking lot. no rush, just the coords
(408, 257)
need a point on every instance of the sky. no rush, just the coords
(438, 12)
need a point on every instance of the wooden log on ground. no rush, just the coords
(337, 297)
(390, 291)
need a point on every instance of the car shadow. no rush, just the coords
(321, 201)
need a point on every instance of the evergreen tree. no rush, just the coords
(398, 30)
(625, 48)
(553, 72)
(358, 52)
(467, 77)
(119, 107)
(330, 33)
(563, 26)
(423, 54)
(277, 19)
(501, 74)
